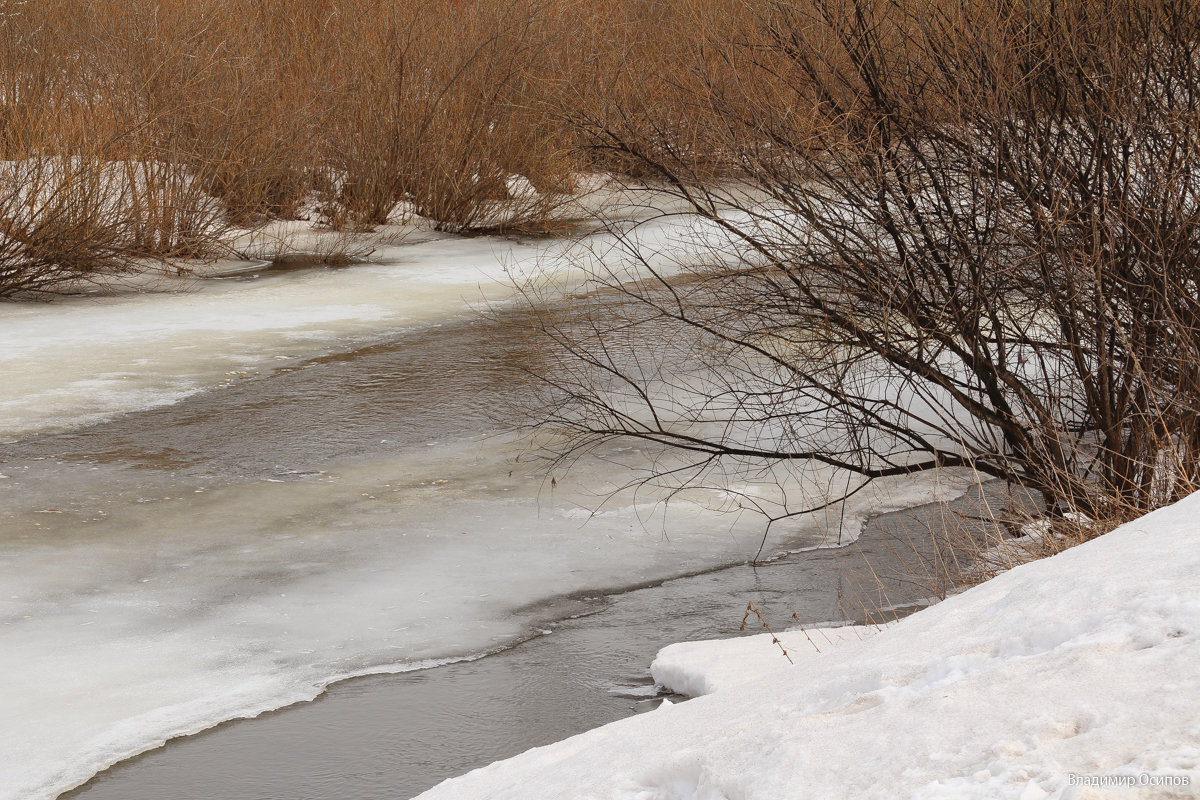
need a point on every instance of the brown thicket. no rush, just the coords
(142, 131)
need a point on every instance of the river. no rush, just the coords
(217, 502)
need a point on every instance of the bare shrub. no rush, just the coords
(56, 226)
(62, 219)
(170, 215)
(935, 235)
(86, 188)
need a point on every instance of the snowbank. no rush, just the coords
(700, 668)
(1071, 678)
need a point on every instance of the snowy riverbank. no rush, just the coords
(1072, 678)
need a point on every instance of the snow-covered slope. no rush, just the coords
(1075, 678)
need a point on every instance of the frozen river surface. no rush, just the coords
(217, 502)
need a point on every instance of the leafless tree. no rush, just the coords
(956, 233)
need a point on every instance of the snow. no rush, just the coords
(1071, 678)
(700, 668)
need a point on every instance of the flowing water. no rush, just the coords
(219, 502)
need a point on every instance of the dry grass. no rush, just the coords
(751, 608)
